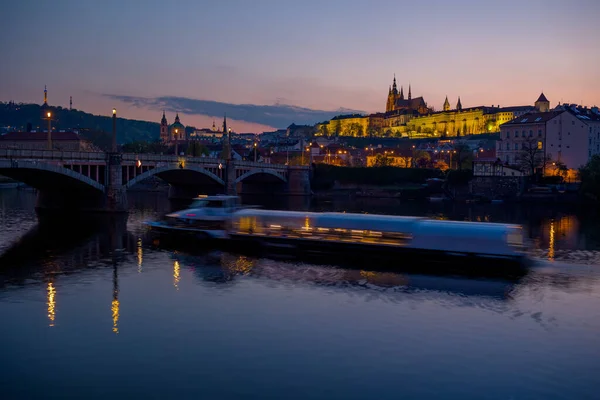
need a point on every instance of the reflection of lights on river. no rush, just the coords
(51, 294)
(176, 278)
(115, 315)
(551, 242)
(140, 254)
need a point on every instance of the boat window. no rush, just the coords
(207, 203)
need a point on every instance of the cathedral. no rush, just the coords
(171, 133)
(397, 103)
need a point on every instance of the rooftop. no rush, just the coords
(534, 118)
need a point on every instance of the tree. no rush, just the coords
(421, 158)
(197, 149)
(532, 155)
(441, 165)
(561, 169)
(324, 130)
(337, 127)
(590, 178)
(382, 160)
(462, 155)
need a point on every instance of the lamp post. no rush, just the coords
(255, 149)
(176, 142)
(49, 116)
(114, 131)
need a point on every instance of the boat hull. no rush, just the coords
(381, 257)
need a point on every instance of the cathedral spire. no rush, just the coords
(394, 86)
(446, 104)
(401, 93)
(163, 121)
(409, 94)
(458, 104)
(177, 118)
(390, 91)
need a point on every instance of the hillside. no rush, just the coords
(17, 116)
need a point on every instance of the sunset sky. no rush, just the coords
(145, 55)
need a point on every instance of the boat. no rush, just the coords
(207, 217)
(373, 237)
(405, 242)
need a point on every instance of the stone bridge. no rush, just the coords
(98, 180)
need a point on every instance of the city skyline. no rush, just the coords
(300, 60)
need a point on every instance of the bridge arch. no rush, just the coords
(42, 175)
(173, 169)
(261, 171)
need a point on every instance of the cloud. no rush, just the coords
(278, 115)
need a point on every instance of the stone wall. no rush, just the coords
(496, 187)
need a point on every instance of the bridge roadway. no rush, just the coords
(98, 181)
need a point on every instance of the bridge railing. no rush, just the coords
(101, 156)
(53, 155)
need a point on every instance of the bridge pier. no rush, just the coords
(230, 178)
(298, 181)
(115, 193)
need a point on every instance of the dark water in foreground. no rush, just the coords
(95, 312)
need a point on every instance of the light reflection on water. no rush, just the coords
(132, 321)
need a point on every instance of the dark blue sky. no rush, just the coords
(322, 55)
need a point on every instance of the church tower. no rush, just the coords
(401, 93)
(409, 94)
(226, 153)
(542, 104)
(177, 129)
(458, 105)
(164, 129)
(389, 106)
(446, 104)
(392, 96)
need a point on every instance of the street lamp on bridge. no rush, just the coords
(49, 117)
(114, 131)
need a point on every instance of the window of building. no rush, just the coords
(507, 134)
(523, 133)
(507, 159)
(540, 145)
(530, 133)
(507, 146)
(516, 133)
(516, 146)
(540, 133)
(523, 146)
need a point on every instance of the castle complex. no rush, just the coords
(412, 117)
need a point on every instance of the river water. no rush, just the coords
(94, 311)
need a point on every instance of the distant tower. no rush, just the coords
(446, 104)
(401, 93)
(214, 127)
(226, 154)
(542, 104)
(164, 129)
(392, 96)
(178, 126)
(70, 103)
(458, 104)
(45, 108)
(409, 94)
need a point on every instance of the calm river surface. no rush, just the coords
(93, 311)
